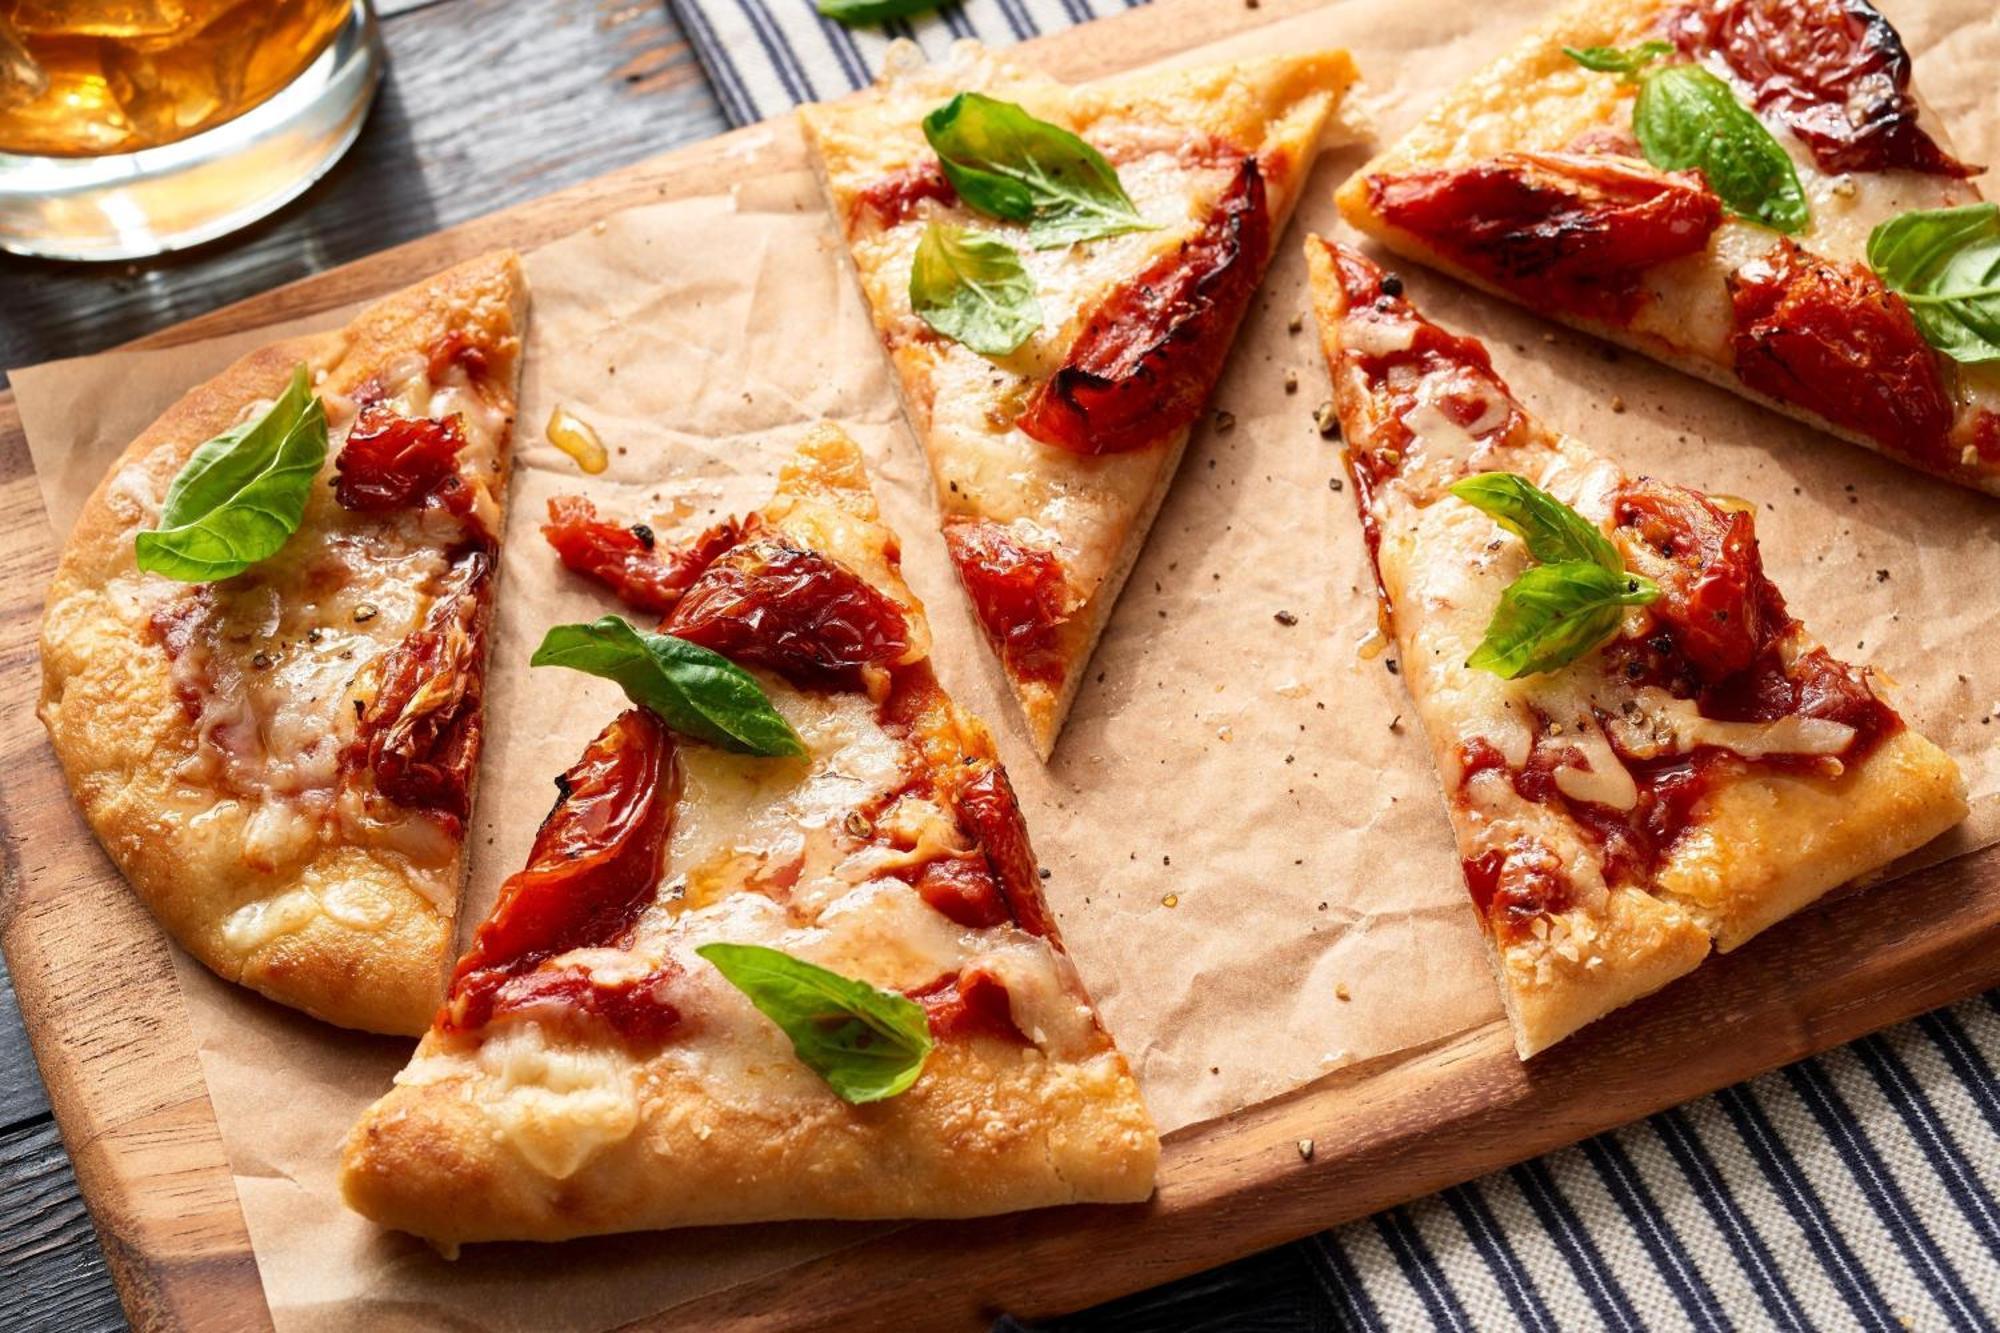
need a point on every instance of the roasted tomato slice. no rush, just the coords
(1714, 598)
(1577, 229)
(419, 735)
(1834, 71)
(965, 890)
(1832, 339)
(971, 1002)
(894, 197)
(802, 614)
(628, 560)
(989, 811)
(457, 349)
(1144, 364)
(391, 461)
(1512, 887)
(594, 868)
(1019, 592)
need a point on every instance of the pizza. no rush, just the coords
(1750, 190)
(263, 650)
(798, 967)
(1643, 753)
(1058, 275)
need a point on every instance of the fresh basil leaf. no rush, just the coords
(1553, 614)
(1618, 60)
(698, 693)
(1945, 263)
(1008, 165)
(1687, 117)
(867, 1044)
(1553, 531)
(241, 495)
(855, 13)
(971, 288)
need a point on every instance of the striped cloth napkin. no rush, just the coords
(1858, 1190)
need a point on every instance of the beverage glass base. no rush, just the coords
(132, 205)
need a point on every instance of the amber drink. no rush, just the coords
(128, 127)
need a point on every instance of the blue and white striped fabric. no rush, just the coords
(764, 57)
(1854, 1191)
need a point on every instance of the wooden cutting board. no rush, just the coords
(103, 1011)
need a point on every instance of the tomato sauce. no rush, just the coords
(894, 198)
(1571, 231)
(1142, 368)
(1018, 591)
(1832, 339)
(1833, 71)
(628, 559)
(457, 349)
(969, 1003)
(594, 869)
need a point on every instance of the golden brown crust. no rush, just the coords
(990, 1127)
(1093, 512)
(375, 960)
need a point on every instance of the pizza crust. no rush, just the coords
(354, 935)
(990, 1127)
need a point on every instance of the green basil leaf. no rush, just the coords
(867, 1044)
(1008, 165)
(1553, 614)
(241, 495)
(971, 288)
(855, 13)
(1618, 60)
(1553, 531)
(1945, 263)
(1687, 117)
(698, 693)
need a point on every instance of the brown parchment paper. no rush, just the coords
(1241, 821)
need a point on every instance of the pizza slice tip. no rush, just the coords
(1058, 275)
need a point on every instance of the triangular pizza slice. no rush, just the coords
(1642, 750)
(1749, 190)
(264, 648)
(1058, 275)
(780, 950)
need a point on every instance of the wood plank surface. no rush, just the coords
(91, 970)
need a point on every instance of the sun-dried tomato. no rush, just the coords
(628, 559)
(802, 614)
(1834, 71)
(594, 868)
(391, 461)
(1714, 599)
(1143, 366)
(965, 890)
(1018, 591)
(419, 734)
(972, 1002)
(1830, 338)
(989, 811)
(1569, 231)
(894, 198)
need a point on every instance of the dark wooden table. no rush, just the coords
(487, 103)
